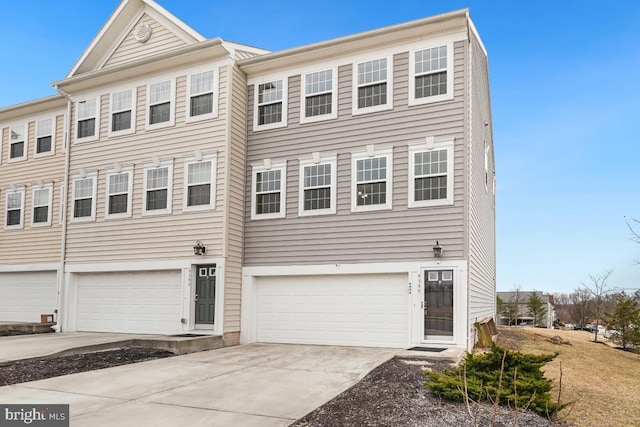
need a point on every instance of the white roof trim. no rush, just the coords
(473, 29)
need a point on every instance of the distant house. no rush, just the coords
(520, 299)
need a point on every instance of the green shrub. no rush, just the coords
(482, 372)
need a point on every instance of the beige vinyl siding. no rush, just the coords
(17, 245)
(235, 201)
(145, 237)
(130, 49)
(400, 234)
(482, 250)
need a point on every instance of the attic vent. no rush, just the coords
(142, 32)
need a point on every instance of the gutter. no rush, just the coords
(65, 192)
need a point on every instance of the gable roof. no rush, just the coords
(119, 24)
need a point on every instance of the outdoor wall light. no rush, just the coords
(437, 250)
(199, 248)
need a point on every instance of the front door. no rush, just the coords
(205, 296)
(437, 305)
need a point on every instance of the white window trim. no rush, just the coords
(134, 101)
(382, 107)
(216, 92)
(9, 191)
(412, 75)
(76, 178)
(331, 160)
(362, 155)
(422, 147)
(37, 155)
(25, 141)
(172, 105)
(63, 205)
(264, 167)
(213, 158)
(162, 164)
(96, 134)
(127, 214)
(285, 97)
(48, 186)
(304, 95)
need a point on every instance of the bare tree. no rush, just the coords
(598, 287)
(635, 234)
(581, 307)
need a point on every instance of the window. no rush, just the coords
(17, 143)
(202, 100)
(14, 214)
(317, 186)
(122, 116)
(44, 137)
(41, 214)
(318, 98)
(431, 76)
(431, 175)
(372, 173)
(269, 190)
(200, 184)
(372, 90)
(84, 196)
(160, 102)
(87, 120)
(157, 188)
(118, 192)
(271, 105)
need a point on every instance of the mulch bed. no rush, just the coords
(38, 369)
(394, 395)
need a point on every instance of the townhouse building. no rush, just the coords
(336, 193)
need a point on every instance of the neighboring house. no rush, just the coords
(319, 179)
(519, 300)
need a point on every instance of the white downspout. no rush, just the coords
(65, 192)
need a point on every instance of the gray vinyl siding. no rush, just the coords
(150, 237)
(482, 250)
(17, 245)
(130, 49)
(400, 234)
(235, 201)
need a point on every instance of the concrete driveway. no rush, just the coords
(251, 385)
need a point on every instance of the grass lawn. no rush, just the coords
(604, 382)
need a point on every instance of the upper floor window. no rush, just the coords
(122, 112)
(160, 104)
(431, 76)
(41, 214)
(271, 105)
(14, 212)
(431, 174)
(200, 183)
(268, 193)
(318, 96)
(18, 143)
(88, 119)
(84, 198)
(202, 95)
(119, 185)
(157, 188)
(317, 186)
(371, 184)
(372, 90)
(45, 131)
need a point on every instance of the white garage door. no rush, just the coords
(25, 296)
(139, 302)
(362, 310)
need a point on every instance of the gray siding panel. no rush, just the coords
(482, 250)
(400, 234)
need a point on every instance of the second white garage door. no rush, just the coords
(25, 296)
(359, 310)
(138, 302)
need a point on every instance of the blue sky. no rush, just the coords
(565, 98)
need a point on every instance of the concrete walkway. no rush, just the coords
(251, 385)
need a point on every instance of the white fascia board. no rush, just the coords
(17, 268)
(174, 20)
